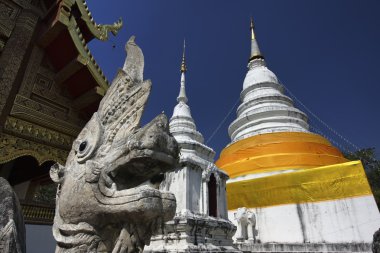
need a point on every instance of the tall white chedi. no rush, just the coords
(201, 222)
(264, 107)
(291, 189)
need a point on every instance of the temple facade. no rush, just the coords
(201, 222)
(50, 84)
(287, 185)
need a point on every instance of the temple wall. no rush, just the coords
(173, 182)
(222, 203)
(349, 220)
(194, 190)
(186, 184)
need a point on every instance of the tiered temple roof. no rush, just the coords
(70, 27)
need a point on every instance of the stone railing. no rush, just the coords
(37, 213)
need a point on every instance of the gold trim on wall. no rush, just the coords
(41, 134)
(12, 147)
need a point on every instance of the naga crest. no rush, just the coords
(108, 198)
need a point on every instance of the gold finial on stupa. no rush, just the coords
(183, 64)
(255, 51)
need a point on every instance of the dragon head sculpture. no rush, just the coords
(108, 198)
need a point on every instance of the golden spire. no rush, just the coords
(255, 50)
(183, 65)
(252, 29)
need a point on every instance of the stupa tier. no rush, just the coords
(264, 107)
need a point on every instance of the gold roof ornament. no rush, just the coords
(183, 64)
(105, 29)
(182, 92)
(99, 31)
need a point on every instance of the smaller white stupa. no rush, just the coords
(200, 223)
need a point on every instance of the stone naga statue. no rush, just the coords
(108, 198)
(12, 228)
(376, 242)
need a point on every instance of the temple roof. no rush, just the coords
(69, 27)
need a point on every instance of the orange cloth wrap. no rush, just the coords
(308, 185)
(278, 151)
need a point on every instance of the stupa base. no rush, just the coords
(304, 247)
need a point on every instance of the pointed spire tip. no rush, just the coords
(182, 93)
(252, 28)
(183, 64)
(255, 51)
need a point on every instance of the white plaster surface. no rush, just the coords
(349, 220)
(265, 108)
(259, 74)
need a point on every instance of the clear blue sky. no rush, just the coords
(325, 52)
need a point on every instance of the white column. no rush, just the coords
(205, 197)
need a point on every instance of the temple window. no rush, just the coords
(212, 196)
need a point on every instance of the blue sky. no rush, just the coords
(325, 52)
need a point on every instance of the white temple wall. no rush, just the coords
(176, 182)
(222, 200)
(194, 194)
(337, 221)
(186, 184)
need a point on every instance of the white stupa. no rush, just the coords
(201, 222)
(289, 188)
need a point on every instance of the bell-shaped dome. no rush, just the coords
(265, 108)
(259, 74)
(181, 110)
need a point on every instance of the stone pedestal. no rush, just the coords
(194, 233)
(305, 247)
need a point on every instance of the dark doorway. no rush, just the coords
(212, 198)
(26, 168)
